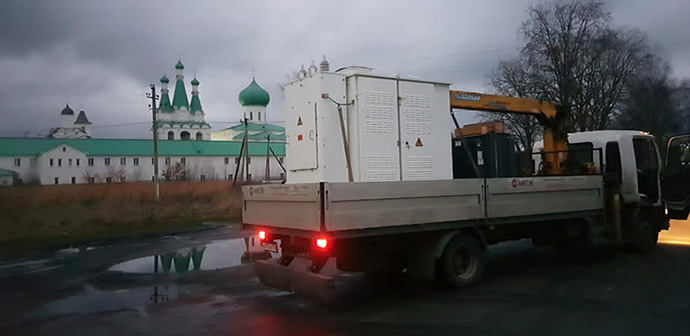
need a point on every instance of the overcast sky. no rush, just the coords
(102, 55)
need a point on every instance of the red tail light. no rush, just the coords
(262, 235)
(322, 243)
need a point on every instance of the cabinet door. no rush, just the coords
(378, 129)
(301, 132)
(417, 147)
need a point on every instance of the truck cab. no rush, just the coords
(632, 163)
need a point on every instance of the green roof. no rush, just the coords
(254, 127)
(165, 79)
(164, 105)
(191, 124)
(261, 136)
(195, 106)
(179, 65)
(16, 147)
(5, 172)
(180, 95)
(254, 95)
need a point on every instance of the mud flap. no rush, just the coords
(299, 279)
(273, 274)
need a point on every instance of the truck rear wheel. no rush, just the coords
(462, 263)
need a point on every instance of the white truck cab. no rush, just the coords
(631, 160)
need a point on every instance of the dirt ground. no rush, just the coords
(526, 291)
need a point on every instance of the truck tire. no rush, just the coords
(462, 263)
(645, 235)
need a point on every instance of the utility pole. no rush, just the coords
(246, 147)
(154, 128)
(268, 156)
(241, 158)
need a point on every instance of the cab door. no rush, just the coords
(676, 183)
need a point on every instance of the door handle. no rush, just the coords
(311, 135)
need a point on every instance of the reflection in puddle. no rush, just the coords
(95, 301)
(220, 254)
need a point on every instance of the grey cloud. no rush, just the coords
(101, 55)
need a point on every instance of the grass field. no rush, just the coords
(51, 216)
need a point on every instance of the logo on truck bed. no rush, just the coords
(521, 183)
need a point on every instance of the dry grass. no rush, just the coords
(53, 215)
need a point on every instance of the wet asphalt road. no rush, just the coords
(526, 291)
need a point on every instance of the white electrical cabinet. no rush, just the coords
(397, 129)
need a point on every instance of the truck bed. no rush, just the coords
(350, 209)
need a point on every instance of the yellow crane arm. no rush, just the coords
(555, 142)
(502, 104)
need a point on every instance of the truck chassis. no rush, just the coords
(435, 230)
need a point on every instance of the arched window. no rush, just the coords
(199, 136)
(184, 135)
(251, 115)
(258, 115)
(171, 135)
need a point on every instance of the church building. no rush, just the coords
(181, 119)
(253, 100)
(72, 127)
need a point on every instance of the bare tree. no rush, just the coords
(91, 177)
(116, 175)
(681, 97)
(651, 103)
(511, 78)
(176, 172)
(573, 56)
(614, 59)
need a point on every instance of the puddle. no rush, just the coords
(216, 255)
(70, 250)
(93, 300)
(23, 263)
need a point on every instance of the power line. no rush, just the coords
(49, 128)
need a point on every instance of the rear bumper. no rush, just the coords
(299, 279)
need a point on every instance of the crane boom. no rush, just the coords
(547, 113)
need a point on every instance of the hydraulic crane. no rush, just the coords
(547, 113)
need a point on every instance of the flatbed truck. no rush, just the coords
(438, 229)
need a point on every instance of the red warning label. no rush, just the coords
(299, 137)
